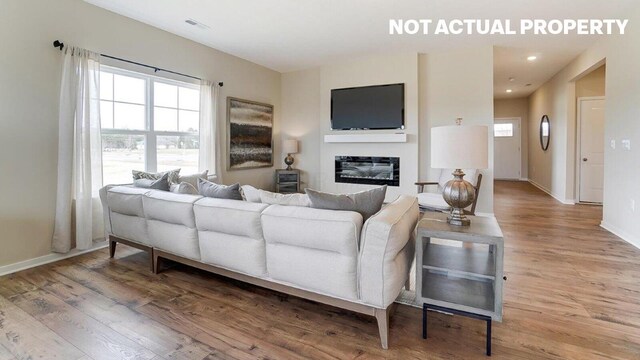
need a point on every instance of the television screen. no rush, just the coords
(369, 107)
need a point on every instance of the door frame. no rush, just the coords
(579, 145)
(519, 121)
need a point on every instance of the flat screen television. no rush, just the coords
(368, 107)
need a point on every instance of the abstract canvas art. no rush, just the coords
(250, 128)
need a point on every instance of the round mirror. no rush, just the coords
(545, 132)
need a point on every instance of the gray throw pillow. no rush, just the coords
(367, 203)
(209, 189)
(159, 184)
(172, 179)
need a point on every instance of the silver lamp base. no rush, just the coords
(459, 194)
(289, 161)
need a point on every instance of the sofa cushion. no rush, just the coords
(313, 249)
(230, 234)
(170, 208)
(126, 200)
(432, 201)
(366, 202)
(231, 217)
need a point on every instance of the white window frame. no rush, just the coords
(504, 136)
(150, 135)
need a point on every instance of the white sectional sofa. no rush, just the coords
(323, 255)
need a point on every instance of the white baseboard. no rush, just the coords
(621, 234)
(49, 258)
(564, 201)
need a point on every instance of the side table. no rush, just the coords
(462, 275)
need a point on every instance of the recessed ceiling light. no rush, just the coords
(532, 58)
(509, 91)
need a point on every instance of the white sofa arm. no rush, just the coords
(106, 216)
(386, 251)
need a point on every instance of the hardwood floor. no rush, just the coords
(573, 292)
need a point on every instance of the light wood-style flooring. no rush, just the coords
(573, 292)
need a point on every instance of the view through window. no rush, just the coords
(503, 130)
(148, 123)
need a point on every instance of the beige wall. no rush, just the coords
(30, 78)
(592, 84)
(452, 85)
(517, 108)
(556, 168)
(301, 121)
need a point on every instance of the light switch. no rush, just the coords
(613, 144)
(626, 144)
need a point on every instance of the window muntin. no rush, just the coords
(503, 130)
(148, 123)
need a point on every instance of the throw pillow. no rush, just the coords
(172, 179)
(157, 184)
(367, 203)
(267, 197)
(209, 189)
(184, 188)
(250, 194)
(193, 178)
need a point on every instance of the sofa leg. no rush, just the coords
(152, 261)
(155, 262)
(382, 316)
(112, 248)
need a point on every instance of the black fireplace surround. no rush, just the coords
(370, 170)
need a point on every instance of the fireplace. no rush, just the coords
(369, 170)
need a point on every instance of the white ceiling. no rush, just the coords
(288, 35)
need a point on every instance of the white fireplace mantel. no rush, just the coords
(366, 138)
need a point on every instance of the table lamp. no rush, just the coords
(459, 147)
(290, 147)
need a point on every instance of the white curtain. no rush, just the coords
(78, 212)
(210, 130)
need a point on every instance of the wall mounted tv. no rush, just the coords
(368, 107)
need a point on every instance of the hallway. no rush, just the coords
(568, 278)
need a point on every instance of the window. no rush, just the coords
(503, 130)
(148, 123)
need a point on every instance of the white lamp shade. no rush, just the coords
(290, 146)
(460, 147)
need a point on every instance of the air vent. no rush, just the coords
(196, 24)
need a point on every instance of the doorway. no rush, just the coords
(507, 149)
(591, 115)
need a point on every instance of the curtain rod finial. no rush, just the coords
(221, 84)
(58, 44)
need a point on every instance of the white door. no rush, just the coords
(506, 135)
(591, 120)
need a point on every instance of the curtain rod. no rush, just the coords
(59, 44)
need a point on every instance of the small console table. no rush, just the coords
(287, 181)
(459, 269)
